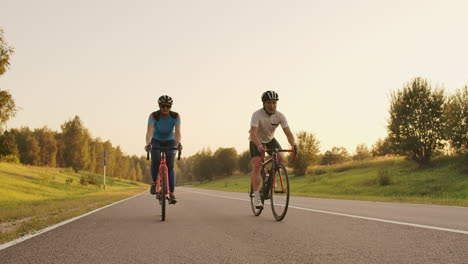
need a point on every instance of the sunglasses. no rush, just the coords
(164, 106)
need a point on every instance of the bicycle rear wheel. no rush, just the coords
(279, 193)
(163, 176)
(257, 211)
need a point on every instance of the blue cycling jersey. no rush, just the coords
(164, 127)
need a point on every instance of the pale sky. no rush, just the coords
(333, 64)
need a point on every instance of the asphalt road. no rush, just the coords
(218, 227)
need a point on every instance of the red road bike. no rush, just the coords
(162, 186)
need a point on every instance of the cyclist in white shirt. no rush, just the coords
(262, 135)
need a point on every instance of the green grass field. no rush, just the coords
(444, 182)
(32, 198)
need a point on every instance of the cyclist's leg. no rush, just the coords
(170, 165)
(155, 159)
(256, 166)
(274, 144)
(255, 179)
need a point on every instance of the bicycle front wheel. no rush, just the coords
(279, 193)
(163, 176)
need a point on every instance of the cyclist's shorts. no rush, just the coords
(270, 145)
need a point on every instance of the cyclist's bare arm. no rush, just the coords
(254, 138)
(149, 134)
(177, 135)
(289, 135)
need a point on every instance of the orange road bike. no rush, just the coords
(162, 186)
(274, 185)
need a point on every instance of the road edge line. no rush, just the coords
(350, 215)
(49, 228)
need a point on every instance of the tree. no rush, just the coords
(382, 148)
(125, 167)
(96, 152)
(47, 147)
(203, 168)
(145, 169)
(31, 155)
(21, 135)
(8, 145)
(335, 155)
(7, 107)
(111, 159)
(5, 53)
(60, 148)
(75, 144)
(132, 173)
(456, 118)
(225, 161)
(184, 170)
(308, 147)
(7, 104)
(362, 152)
(245, 164)
(135, 164)
(416, 123)
(121, 165)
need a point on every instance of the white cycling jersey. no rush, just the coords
(267, 124)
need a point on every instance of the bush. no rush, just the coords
(9, 159)
(84, 180)
(384, 177)
(69, 180)
(317, 171)
(92, 180)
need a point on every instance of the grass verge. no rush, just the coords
(443, 182)
(32, 198)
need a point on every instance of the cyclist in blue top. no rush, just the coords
(160, 133)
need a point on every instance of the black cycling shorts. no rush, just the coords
(270, 145)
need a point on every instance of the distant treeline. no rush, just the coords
(423, 123)
(72, 147)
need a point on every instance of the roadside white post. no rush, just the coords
(105, 163)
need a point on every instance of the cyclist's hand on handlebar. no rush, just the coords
(148, 147)
(179, 146)
(260, 148)
(295, 148)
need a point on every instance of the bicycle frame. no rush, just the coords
(271, 181)
(163, 165)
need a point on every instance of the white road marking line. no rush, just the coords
(348, 215)
(42, 231)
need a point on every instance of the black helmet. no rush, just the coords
(270, 95)
(165, 99)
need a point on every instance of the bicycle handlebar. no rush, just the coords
(281, 150)
(164, 149)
